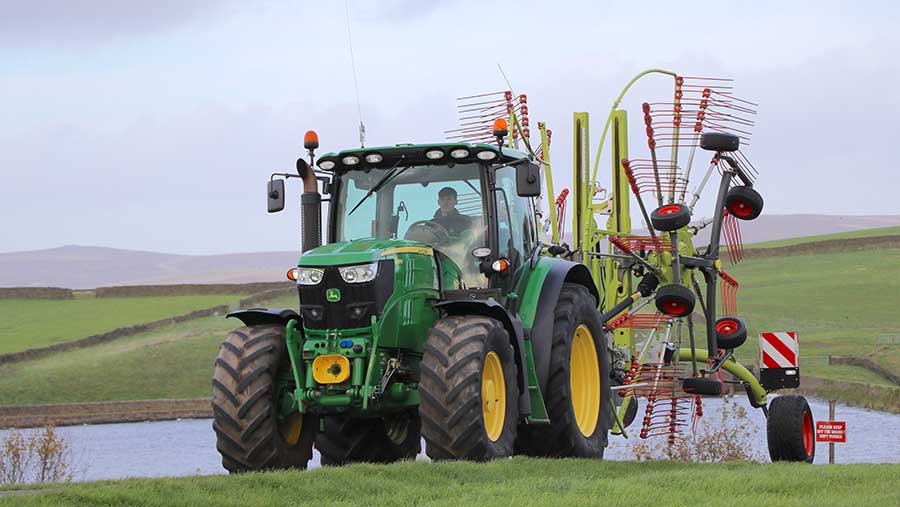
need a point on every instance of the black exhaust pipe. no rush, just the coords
(310, 208)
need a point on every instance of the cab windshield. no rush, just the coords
(439, 206)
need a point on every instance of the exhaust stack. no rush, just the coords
(311, 199)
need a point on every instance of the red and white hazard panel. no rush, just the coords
(778, 350)
(779, 360)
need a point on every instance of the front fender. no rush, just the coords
(260, 316)
(513, 326)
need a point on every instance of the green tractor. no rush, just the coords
(432, 311)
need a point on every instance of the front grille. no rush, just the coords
(359, 301)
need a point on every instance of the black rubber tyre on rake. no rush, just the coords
(731, 332)
(675, 300)
(670, 217)
(463, 355)
(572, 433)
(345, 440)
(249, 434)
(790, 429)
(744, 202)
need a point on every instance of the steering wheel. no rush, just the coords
(436, 231)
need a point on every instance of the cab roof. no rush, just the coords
(416, 154)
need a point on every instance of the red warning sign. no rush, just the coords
(831, 431)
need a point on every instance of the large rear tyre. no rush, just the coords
(468, 390)
(790, 429)
(250, 433)
(578, 395)
(348, 440)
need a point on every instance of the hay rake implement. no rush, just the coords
(703, 123)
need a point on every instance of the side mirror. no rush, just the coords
(275, 193)
(718, 141)
(528, 180)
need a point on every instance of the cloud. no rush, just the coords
(88, 23)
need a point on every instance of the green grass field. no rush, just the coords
(174, 362)
(516, 482)
(841, 303)
(33, 323)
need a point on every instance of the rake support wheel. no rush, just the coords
(731, 332)
(675, 300)
(670, 217)
(468, 390)
(249, 434)
(744, 202)
(705, 386)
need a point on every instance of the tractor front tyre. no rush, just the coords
(347, 440)
(468, 390)
(790, 429)
(251, 434)
(578, 394)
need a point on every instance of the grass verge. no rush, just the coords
(519, 482)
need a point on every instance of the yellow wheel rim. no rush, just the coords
(290, 428)
(493, 396)
(584, 380)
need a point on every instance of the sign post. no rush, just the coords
(831, 431)
(831, 444)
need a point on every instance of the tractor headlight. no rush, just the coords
(360, 273)
(309, 276)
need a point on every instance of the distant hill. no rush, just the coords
(85, 267)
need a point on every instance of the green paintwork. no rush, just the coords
(344, 253)
(528, 310)
(620, 222)
(538, 408)
(404, 323)
(528, 307)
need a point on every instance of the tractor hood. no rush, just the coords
(360, 251)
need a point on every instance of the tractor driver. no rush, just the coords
(447, 214)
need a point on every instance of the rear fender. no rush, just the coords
(541, 335)
(513, 326)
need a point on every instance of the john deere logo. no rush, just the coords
(333, 295)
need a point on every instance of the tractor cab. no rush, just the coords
(462, 200)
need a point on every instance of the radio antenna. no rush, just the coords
(362, 126)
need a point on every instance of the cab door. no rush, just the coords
(514, 229)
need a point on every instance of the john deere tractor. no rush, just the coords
(432, 310)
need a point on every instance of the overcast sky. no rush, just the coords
(155, 125)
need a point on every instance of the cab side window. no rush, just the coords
(515, 221)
